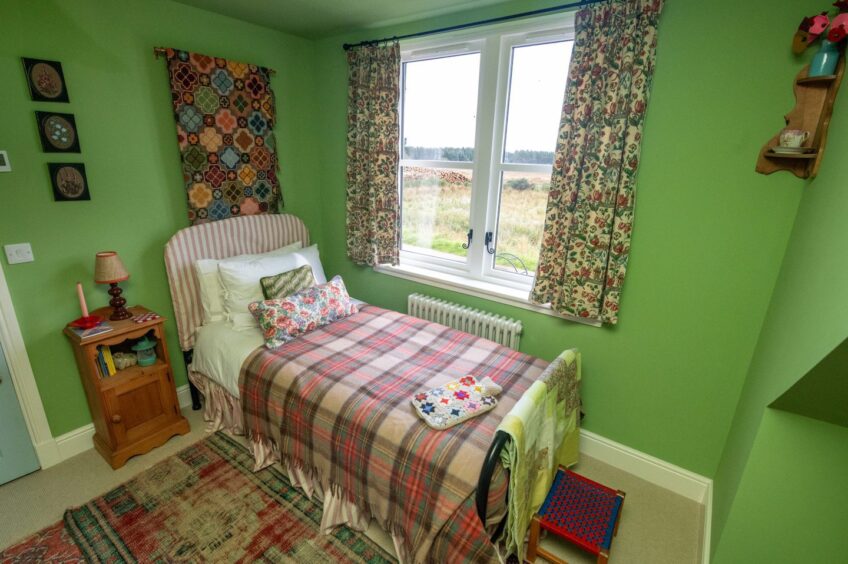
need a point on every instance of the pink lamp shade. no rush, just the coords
(108, 268)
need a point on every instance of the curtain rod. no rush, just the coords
(560, 8)
(160, 51)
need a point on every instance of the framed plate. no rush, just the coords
(58, 132)
(69, 182)
(46, 80)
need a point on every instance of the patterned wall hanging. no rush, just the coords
(224, 111)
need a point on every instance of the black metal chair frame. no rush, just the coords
(493, 456)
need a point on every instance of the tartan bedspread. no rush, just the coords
(336, 402)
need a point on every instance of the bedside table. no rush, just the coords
(135, 409)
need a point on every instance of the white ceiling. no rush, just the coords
(324, 18)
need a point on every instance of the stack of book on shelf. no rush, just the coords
(105, 363)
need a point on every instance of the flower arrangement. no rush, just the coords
(813, 27)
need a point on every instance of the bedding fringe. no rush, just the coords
(222, 412)
(266, 452)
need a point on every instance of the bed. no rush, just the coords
(333, 406)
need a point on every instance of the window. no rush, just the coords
(479, 121)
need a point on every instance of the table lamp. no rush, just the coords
(108, 269)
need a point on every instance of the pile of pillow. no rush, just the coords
(284, 292)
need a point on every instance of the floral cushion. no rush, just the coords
(456, 401)
(284, 319)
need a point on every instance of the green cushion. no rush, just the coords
(287, 283)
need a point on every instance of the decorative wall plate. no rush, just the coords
(46, 80)
(58, 132)
(69, 182)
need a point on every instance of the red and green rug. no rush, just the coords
(202, 504)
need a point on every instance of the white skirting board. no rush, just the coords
(80, 440)
(649, 468)
(656, 471)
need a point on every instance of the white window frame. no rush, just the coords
(495, 44)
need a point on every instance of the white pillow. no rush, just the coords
(241, 281)
(211, 289)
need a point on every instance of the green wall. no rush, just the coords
(806, 321)
(791, 503)
(709, 237)
(119, 94)
(823, 392)
(685, 376)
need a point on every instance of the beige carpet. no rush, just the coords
(657, 526)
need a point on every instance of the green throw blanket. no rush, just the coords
(544, 427)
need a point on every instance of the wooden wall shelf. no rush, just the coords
(814, 79)
(814, 98)
(804, 156)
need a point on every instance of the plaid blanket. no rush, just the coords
(336, 402)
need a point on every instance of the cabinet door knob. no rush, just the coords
(116, 418)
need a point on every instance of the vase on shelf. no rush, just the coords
(824, 61)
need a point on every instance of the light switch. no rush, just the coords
(20, 252)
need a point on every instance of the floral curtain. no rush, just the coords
(373, 214)
(589, 218)
(225, 127)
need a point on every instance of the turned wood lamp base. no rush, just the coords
(119, 312)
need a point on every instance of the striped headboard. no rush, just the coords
(219, 240)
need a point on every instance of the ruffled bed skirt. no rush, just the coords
(222, 412)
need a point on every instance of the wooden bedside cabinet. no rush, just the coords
(135, 409)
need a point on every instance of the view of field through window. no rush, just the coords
(439, 125)
(436, 208)
(437, 203)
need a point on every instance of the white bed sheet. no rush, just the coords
(220, 350)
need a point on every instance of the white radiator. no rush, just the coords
(481, 323)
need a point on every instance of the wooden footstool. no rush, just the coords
(580, 511)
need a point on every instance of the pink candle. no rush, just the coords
(83, 307)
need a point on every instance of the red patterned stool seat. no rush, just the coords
(579, 510)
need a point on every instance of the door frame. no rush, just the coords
(23, 380)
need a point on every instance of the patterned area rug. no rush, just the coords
(202, 504)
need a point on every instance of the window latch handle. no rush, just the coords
(470, 236)
(488, 242)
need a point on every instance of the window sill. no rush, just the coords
(477, 288)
